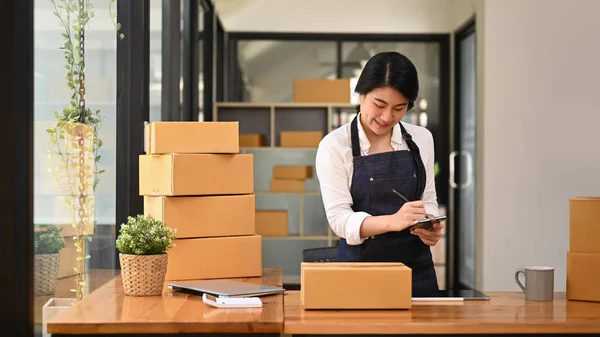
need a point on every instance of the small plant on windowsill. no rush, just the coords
(47, 244)
(143, 243)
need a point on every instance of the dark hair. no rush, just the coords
(389, 69)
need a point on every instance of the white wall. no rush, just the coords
(336, 16)
(459, 12)
(538, 131)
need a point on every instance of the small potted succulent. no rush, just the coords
(47, 244)
(143, 243)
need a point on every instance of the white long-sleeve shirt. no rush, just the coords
(334, 167)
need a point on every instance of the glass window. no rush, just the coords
(425, 56)
(155, 77)
(269, 67)
(75, 151)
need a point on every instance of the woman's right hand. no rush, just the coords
(407, 215)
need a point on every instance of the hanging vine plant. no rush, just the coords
(74, 142)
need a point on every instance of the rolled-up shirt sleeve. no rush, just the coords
(429, 194)
(335, 192)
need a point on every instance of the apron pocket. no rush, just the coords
(381, 192)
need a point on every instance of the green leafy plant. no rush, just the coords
(74, 142)
(144, 235)
(47, 240)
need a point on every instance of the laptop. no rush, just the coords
(464, 294)
(224, 288)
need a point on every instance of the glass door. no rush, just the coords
(462, 159)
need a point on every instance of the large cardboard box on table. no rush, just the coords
(583, 276)
(583, 258)
(584, 226)
(192, 137)
(204, 216)
(196, 174)
(363, 285)
(210, 258)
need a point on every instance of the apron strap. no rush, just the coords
(412, 146)
(414, 149)
(354, 138)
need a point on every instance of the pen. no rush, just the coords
(401, 196)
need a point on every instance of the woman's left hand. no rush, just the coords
(429, 237)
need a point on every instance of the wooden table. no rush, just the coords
(506, 313)
(109, 311)
(95, 279)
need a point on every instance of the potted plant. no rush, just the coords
(47, 244)
(74, 143)
(143, 243)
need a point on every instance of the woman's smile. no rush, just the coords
(381, 125)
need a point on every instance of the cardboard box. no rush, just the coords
(271, 223)
(336, 285)
(583, 276)
(584, 226)
(301, 138)
(292, 172)
(196, 174)
(252, 140)
(283, 185)
(204, 216)
(321, 90)
(192, 137)
(210, 258)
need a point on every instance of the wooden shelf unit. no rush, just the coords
(307, 223)
(266, 118)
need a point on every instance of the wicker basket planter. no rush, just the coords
(143, 275)
(45, 273)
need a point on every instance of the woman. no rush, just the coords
(360, 164)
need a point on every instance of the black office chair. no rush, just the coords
(324, 254)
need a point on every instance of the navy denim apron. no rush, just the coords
(373, 179)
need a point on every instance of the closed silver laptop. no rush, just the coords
(224, 288)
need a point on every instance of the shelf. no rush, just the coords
(278, 148)
(284, 105)
(298, 237)
(298, 193)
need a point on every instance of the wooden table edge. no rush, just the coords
(166, 328)
(450, 328)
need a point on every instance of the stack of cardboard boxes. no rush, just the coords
(286, 178)
(194, 179)
(583, 258)
(290, 178)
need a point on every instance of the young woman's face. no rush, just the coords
(381, 109)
